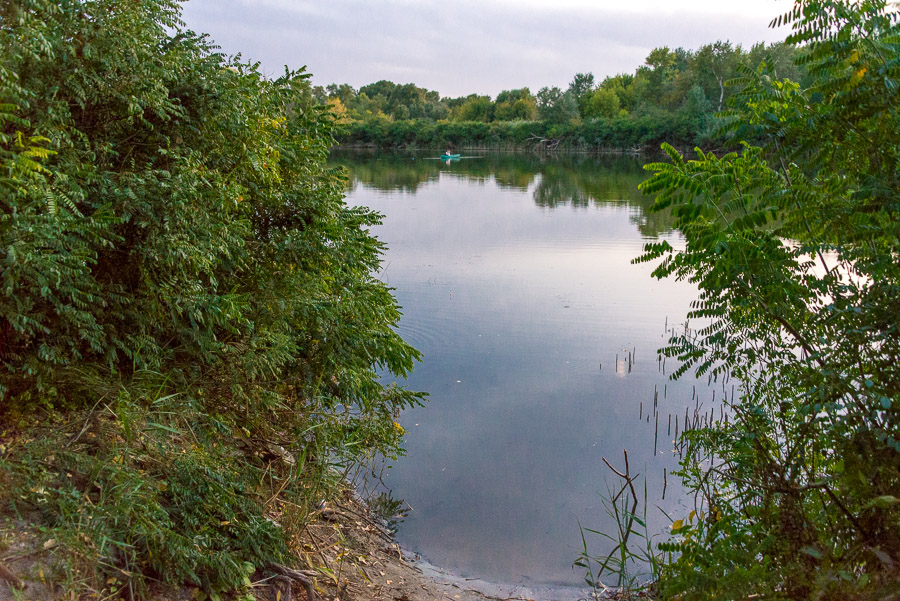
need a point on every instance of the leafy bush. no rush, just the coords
(794, 248)
(190, 327)
(623, 132)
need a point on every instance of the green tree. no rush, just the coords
(475, 108)
(628, 89)
(406, 101)
(794, 248)
(382, 88)
(604, 103)
(659, 70)
(556, 107)
(344, 92)
(515, 105)
(712, 65)
(581, 87)
(697, 111)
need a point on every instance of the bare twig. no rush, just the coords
(86, 421)
(287, 574)
(13, 580)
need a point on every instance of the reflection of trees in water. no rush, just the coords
(553, 191)
(601, 183)
(396, 172)
(577, 181)
(384, 172)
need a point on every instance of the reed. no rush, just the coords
(632, 567)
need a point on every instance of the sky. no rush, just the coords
(459, 47)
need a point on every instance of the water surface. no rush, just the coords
(516, 282)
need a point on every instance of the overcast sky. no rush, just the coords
(458, 47)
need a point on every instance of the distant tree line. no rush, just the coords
(674, 96)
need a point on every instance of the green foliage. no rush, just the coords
(604, 103)
(168, 211)
(794, 248)
(398, 101)
(127, 498)
(515, 105)
(581, 87)
(384, 134)
(475, 108)
(628, 89)
(557, 107)
(674, 97)
(639, 131)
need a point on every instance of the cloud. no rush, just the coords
(469, 46)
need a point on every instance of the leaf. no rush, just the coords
(812, 552)
(157, 426)
(884, 501)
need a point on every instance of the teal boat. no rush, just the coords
(445, 157)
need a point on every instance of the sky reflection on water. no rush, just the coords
(516, 282)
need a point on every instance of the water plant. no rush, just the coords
(632, 566)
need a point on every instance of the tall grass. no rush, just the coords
(631, 568)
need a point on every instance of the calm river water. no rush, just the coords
(516, 282)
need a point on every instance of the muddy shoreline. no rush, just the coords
(377, 568)
(348, 554)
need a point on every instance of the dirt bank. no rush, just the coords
(345, 552)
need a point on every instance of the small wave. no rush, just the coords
(425, 331)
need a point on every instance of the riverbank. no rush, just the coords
(345, 552)
(633, 134)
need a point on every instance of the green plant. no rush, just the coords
(794, 248)
(191, 330)
(632, 561)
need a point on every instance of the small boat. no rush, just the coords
(446, 157)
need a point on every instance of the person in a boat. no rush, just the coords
(448, 153)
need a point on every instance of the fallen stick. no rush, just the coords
(378, 527)
(14, 580)
(301, 576)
